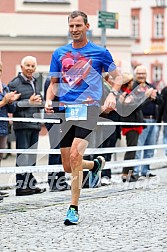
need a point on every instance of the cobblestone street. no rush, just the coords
(119, 217)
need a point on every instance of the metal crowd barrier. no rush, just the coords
(89, 151)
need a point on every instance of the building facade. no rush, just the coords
(38, 27)
(149, 32)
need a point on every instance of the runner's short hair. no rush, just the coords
(75, 14)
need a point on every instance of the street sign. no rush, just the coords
(108, 19)
(111, 25)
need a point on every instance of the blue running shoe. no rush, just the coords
(94, 177)
(72, 217)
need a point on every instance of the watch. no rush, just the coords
(114, 92)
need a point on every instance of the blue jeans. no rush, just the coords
(148, 137)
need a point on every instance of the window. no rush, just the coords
(47, 1)
(135, 23)
(41, 77)
(161, 3)
(158, 26)
(157, 73)
(158, 20)
(135, 27)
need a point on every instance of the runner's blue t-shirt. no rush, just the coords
(79, 71)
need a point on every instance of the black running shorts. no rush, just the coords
(79, 129)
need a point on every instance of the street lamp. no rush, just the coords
(161, 3)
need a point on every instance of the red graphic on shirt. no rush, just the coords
(75, 68)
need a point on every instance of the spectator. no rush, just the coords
(108, 133)
(75, 72)
(150, 111)
(26, 133)
(131, 132)
(163, 115)
(6, 106)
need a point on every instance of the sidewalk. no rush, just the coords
(123, 217)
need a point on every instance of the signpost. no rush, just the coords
(107, 20)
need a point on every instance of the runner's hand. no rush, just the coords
(110, 103)
(48, 107)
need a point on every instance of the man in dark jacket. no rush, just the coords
(149, 109)
(26, 133)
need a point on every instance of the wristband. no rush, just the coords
(114, 92)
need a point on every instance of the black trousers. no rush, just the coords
(55, 179)
(131, 140)
(26, 139)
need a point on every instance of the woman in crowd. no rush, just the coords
(6, 106)
(131, 132)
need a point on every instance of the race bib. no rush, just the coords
(76, 112)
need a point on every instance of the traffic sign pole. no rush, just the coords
(103, 29)
(106, 20)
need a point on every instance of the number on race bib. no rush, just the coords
(76, 112)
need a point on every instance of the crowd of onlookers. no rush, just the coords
(137, 102)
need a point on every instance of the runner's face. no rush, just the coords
(77, 29)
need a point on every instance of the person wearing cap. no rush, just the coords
(129, 131)
(108, 133)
